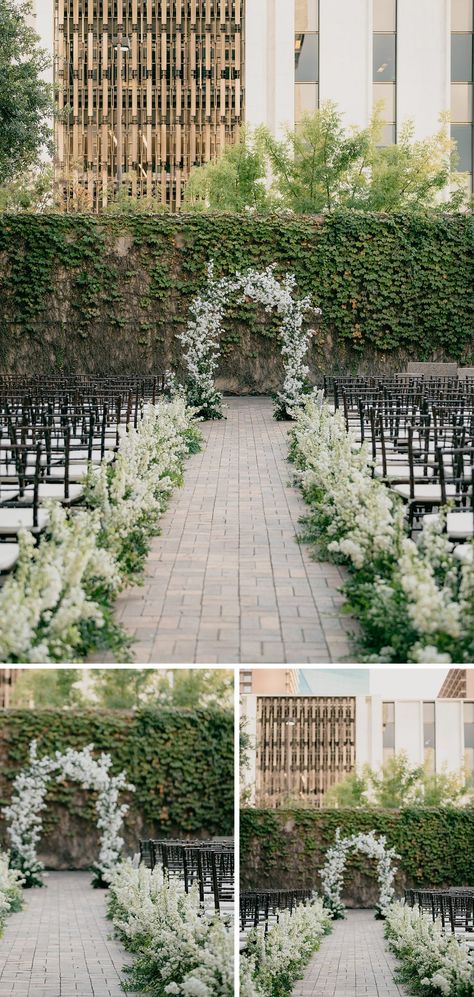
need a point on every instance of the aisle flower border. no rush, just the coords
(201, 338)
(332, 873)
(433, 962)
(414, 601)
(11, 893)
(58, 603)
(180, 950)
(24, 813)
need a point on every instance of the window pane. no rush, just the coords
(462, 134)
(461, 58)
(461, 102)
(384, 58)
(388, 713)
(384, 93)
(461, 15)
(306, 99)
(306, 15)
(428, 713)
(385, 15)
(469, 713)
(306, 58)
(388, 136)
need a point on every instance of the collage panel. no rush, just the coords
(356, 832)
(117, 832)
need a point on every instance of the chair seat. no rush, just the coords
(12, 520)
(464, 553)
(424, 493)
(8, 556)
(459, 525)
(402, 472)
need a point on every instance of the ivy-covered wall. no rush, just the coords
(286, 848)
(180, 762)
(109, 294)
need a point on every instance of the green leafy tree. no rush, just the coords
(26, 99)
(400, 784)
(394, 785)
(192, 687)
(234, 182)
(350, 792)
(47, 687)
(33, 192)
(120, 688)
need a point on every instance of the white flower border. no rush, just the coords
(332, 874)
(24, 813)
(201, 339)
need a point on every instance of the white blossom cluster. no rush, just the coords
(361, 521)
(332, 874)
(45, 601)
(284, 949)
(11, 894)
(188, 951)
(24, 814)
(201, 338)
(435, 962)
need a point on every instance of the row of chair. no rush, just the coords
(209, 863)
(454, 907)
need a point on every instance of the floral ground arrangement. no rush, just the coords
(432, 962)
(11, 893)
(57, 606)
(179, 948)
(414, 601)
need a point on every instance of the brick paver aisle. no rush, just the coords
(353, 961)
(58, 946)
(226, 580)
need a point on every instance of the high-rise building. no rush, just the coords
(148, 88)
(458, 684)
(269, 680)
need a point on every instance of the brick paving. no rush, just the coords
(226, 581)
(58, 946)
(353, 961)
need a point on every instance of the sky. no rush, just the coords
(394, 683)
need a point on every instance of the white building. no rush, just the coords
(301, 745)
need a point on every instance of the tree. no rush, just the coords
(234, 182)
(120, 688)
(47, 687)
(350, 792)
(32, 192)
(398, 784)
(187, 688)
(26, 99)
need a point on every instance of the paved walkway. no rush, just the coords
(58, 946)
(226, 581)
(353, 961)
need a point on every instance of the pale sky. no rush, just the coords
(394, 683)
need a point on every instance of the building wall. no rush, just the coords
(269, 681)
(269, 64)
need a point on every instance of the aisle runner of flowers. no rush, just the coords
(11, 894)
(432, 963)
(58, 604)
(414, 602)
(273, 961)
(179, 949)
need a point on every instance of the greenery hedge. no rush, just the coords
(123, 284)
(180, 762)
(288, 846)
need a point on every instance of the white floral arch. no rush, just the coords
(332, 874)
(201, 339)
(24, 814)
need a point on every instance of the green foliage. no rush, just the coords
(287, 847)
(47, 687)
(398, 783)
(25, 97)
(180, 761)
(234, 182)
(403, 282)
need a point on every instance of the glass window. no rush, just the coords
(469, 738)
(306, 16)
(388, 136)
(461, 58)
(429, 734)
(388, 729)
(385, 15)
(461, 15)
(461, 102)
(384, 94)
(384, 58)
(306, 99)
(306, 58)
(462, 135)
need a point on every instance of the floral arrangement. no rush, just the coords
(24, 813)
(11, 895)
(433, 963)
(272, 961)
(57, 605)
(201, 337)
(180, 949)
(332, 874)
(414, 602)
